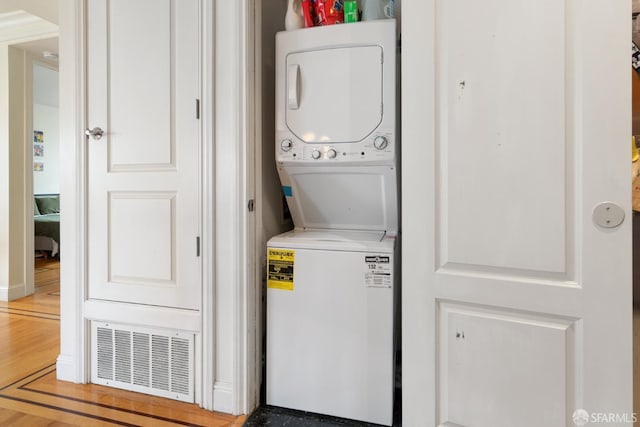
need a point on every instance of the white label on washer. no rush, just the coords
(378, 271)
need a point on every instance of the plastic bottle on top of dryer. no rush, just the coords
(294, 19)
(377, 9)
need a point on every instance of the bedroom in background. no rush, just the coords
(27, 33)
(46, 153)
(46, 173)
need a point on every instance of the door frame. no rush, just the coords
(234, 223)
(73, 361)
(29, 238)
(29, 269)
(225, 28)
(418, 335)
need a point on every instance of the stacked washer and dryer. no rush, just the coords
(332, 283)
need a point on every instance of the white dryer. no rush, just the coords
(336, 138)
(332, 282)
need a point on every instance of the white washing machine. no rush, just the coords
(330, 339)
(332, 282)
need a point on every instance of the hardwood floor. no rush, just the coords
(31, 396)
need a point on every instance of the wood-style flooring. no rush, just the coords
(31, 396)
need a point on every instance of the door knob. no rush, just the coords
(96, 133)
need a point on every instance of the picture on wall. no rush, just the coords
(38, 150)
(38, 136)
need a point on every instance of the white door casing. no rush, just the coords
(516, 124)
(71, 364)
(143, 175)
(225, 355)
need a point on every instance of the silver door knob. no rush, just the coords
(96, 133)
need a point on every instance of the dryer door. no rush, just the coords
(334, 95)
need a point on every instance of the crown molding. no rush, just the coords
(19, 26)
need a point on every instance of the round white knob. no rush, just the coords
(331, 153)
(315, 154)
(380, 142)
(286, 144)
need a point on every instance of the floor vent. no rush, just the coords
(158, 362)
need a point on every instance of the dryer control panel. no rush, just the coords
(380, 146)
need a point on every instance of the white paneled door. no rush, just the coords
(516, 277)
(143, 173)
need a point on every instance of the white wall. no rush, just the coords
(47, 181)
(45, 119)
(12, 173)
(4, 168)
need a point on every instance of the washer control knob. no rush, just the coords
(286, 144)
(315, 154)
(380, 142)
(331, 153)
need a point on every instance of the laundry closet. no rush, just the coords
(329, 192)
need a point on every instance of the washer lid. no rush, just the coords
(337, 240)
(342, 197)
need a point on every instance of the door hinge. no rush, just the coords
(197, 109)
(250, 205)
(197, 245)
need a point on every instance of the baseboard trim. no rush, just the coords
(13, 292)
(66, 369)
(223, 397)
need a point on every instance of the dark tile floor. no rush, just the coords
(273, 416)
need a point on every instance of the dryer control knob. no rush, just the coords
(380, 142)
(331, 153)
(315, 154)
(286, 144)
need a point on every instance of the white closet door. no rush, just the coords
(517, 307)
(143, 86)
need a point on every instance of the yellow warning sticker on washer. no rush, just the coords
(280, 268)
